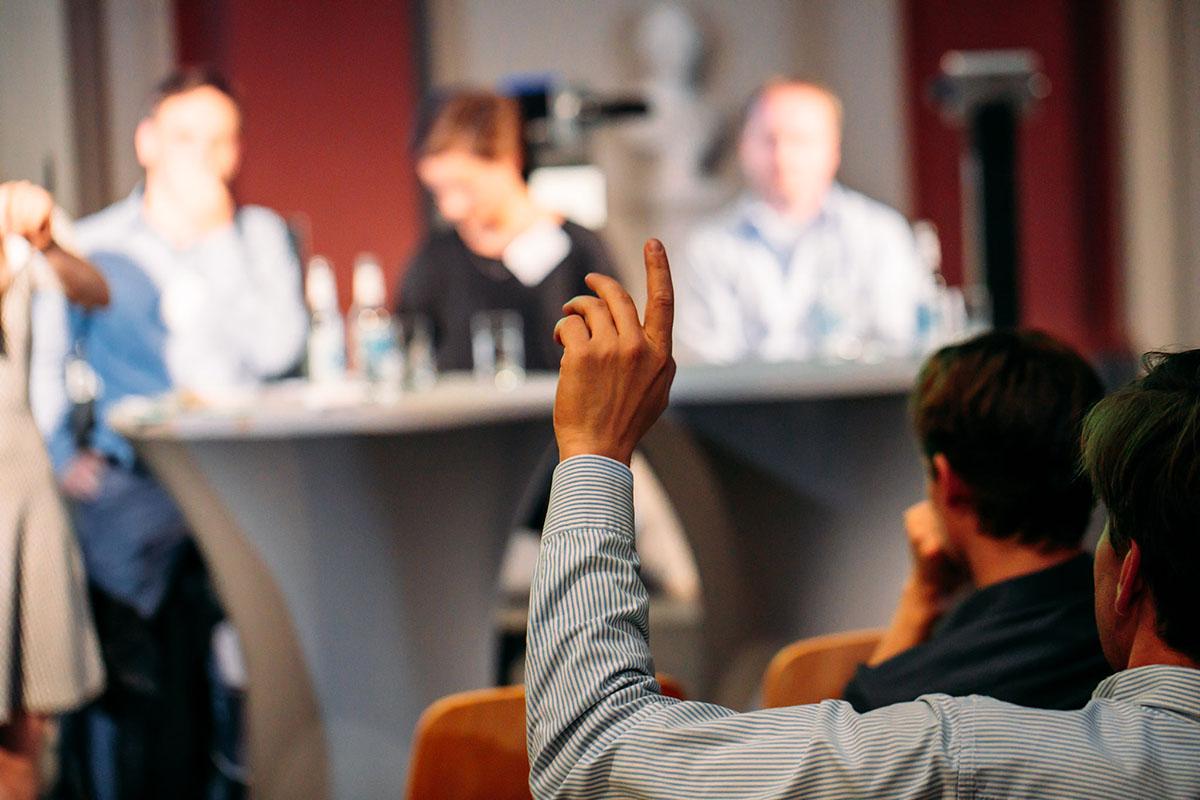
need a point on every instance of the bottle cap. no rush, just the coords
(320, 285)
(929, 246)
(370, 290)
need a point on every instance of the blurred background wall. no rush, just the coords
(855, 48)
(329, 93)
(1110, 161)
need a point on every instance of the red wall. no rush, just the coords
(1067, 155)
(329, 92)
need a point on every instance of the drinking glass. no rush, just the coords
(415, 334)
(498, 348)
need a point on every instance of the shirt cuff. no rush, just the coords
(591, 491)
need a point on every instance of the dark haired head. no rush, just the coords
(1141, 447)
(1006, 409)
(184, 80)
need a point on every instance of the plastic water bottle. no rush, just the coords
(930, 323)
(377, 356)
(326, 331)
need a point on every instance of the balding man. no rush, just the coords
(800, 266)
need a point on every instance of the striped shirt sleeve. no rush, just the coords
(597, 726)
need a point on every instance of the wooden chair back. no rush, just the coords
(816, 669)
(471, 745)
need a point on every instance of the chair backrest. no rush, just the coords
(471, 746)
(669, 686)
(816, 669)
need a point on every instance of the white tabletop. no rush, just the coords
(296, 408)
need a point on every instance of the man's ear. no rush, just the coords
(949, 490)
(1130, 585)
(145, 143)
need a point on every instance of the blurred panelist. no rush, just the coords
(800, 266)
(503, 251)
(999, 419)
(205, 296)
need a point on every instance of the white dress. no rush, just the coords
(49, 659)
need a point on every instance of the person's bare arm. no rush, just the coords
(26, 210)
(81, 282)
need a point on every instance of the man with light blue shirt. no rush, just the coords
(206, 296)
(598, 726)
(801, 266)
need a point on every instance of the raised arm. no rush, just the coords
(81, 282)
(597, 724)
(27, 210)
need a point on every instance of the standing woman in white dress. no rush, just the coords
(49, 660)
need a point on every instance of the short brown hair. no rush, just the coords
(480, 122)
(1006, 409)
(184, 80)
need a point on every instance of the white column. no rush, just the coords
(140, 43)
(1160, 277)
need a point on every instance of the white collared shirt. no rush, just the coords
(754, 285)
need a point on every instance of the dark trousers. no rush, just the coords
(150, 734)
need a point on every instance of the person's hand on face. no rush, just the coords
(202, 195)
(616, 372)
(26, 210)
(191, 148)
(935, 570)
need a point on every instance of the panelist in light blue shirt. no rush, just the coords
(800, 266)
(598, 726)
(221, 312)
(206, 296)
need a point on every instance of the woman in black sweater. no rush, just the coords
(504, 252)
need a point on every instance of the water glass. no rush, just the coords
(415, 334)
(498, 348)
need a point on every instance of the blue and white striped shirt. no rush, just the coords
(599, 728)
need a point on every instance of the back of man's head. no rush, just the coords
(1141, 447)
(1006, 409)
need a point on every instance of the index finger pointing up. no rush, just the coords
(660, 295)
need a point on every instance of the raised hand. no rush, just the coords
(25, 210)
(616, 372)
(934, 567)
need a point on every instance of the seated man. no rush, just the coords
(801, 266)
(205, 295)
(598, 726)
(998, 419)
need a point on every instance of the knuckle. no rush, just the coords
(633, 349)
